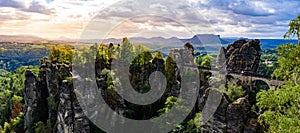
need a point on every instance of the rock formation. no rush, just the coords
(70, 116)
(229, 117)
(30, 97)
(49, 97)
(233, 116)
(242, 55)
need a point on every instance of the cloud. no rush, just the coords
(155, 20)
(158, 6)
(12, 3)
(39, 7)
(252, 8)
(246, 18)
(36, 6)
(7, 14)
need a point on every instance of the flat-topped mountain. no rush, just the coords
(204, 39)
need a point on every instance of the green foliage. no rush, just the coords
(170, 66)
(18, 123)
(170, 102)
(126, 51)
(40, 127)
(61, 54)
(198, 60)
(104, 54)
(11, 93)
(234, 91)
(180, 105)
(197, 121)
(193, 125)
(7, 128)
(187, 126)
(294, 29)
(143, 59)
(14, 56)
(53, 104)
(268, 62)
(158, 55)
(84, 55)
(3, 73)
(282, 106)
(204, 60)
(282, 114)
(289, 63)
(207, 60)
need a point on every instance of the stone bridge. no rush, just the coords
(273, 84)
(246, 78)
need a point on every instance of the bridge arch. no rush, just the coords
(229, 77)
(260, 84)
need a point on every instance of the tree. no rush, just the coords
(282, 109)
(158, 55)
(282, 105)
(207, 61)
(180, 105)
(61, 54)
(289, 63)
(103, 54)
(294, 29)
(234, 91)
(289, 60)
(198, 60)
(170, 66)
(127, 51)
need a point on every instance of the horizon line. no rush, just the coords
(69, 38)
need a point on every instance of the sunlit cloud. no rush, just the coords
(181, 18)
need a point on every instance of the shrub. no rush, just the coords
(234, 91)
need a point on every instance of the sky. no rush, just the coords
(148, 18)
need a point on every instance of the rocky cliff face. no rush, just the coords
(241, 56)
(230, 116)
(70, 116)
(234, 116)
(30, 97)
(50, 96)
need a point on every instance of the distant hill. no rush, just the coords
(204, 39)
(229, 40)
(273, 43)
(153, 40)
(200, 40)
(9, 38)
(265, 43)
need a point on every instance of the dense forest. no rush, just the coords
(273, 110)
